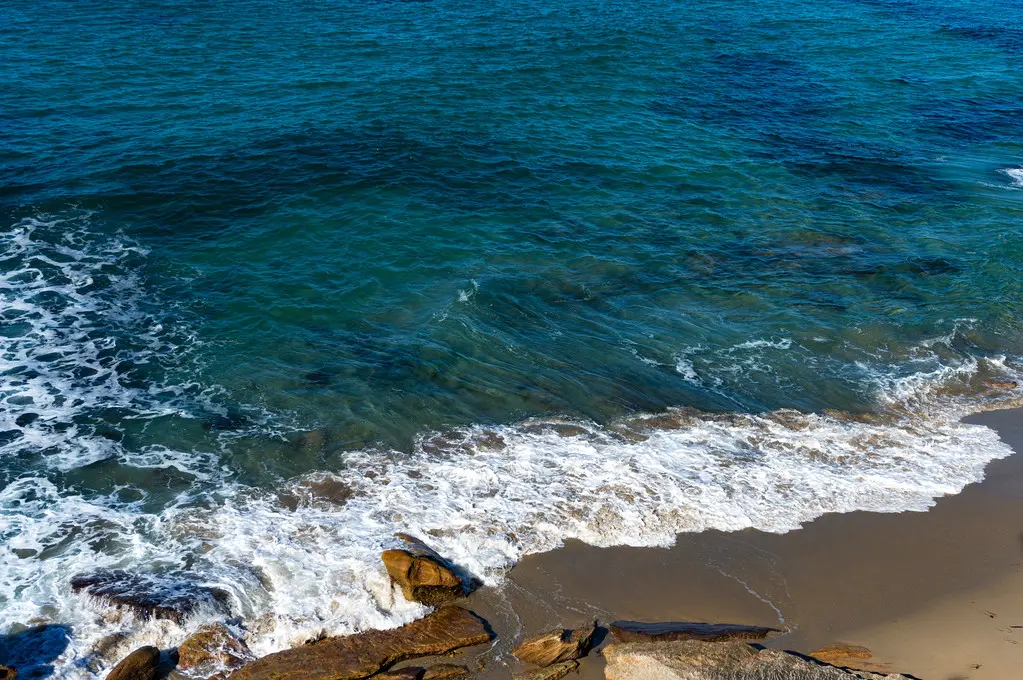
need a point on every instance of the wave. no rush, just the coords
(303, 560)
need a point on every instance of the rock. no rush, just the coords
(359, 656)
(410, 673)
(423, 575)
(142, 664)
(213, 647)
(159, 596)
(444, 671)
(11, 673)
(555, 672)
(556, 646)
(696, 660)
(849, 656)
(635, 631)
(1003, 384)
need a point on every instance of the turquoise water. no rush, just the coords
(248, 246)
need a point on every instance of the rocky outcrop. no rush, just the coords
(142, 664)
(445, 671)
(696, 660)
(423, 575)
(360, 656)
(635, 631)
(556, 646)
(212, 648)
(158, 596)
(555, 672)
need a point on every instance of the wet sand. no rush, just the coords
(938, 594)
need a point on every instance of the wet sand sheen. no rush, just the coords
(936, 594)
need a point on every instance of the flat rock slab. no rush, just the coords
(556, 646)
(359, 656)
(160, 596)
(695, 660)
(445, 671)
(555, 672)
(635, 631)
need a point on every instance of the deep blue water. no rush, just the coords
(248, 242)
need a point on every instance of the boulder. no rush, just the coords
(696, 660)
(142, 664)
(159, 596)
(635, 631)
(359, 656)
(7, 673)
(556, 646)
(555, 672)
(1003, 384)
(445, 671)
(423, 575)
(212, 648)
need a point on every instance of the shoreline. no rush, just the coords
(935, 594)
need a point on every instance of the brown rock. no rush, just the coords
(360, 656)
(213, 647)
(142, 664)
(555, 672)
(635, 631)
(410, 673)
(423, 575)
(556, 646)
(849, 656)
(1003, 384)
(159, 596)
(696, 660)
(7, 673)
(445, 671)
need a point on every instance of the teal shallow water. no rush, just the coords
(245, 244)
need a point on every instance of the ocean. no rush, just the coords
(278, 280)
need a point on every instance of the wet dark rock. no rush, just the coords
(555, 672)
(423, 575)
(696, 660)
(142, 664)
(213, 647)
(26, 419)
(445, 671)
(410, 673)
(160, 596)
(557, 646)
(359, 656)
(635, 631)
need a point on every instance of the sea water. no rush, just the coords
(279, 280)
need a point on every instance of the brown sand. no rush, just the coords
(938, 594)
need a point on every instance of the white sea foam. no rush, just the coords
(304, 560)
(1016, 175)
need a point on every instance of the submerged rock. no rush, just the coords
(556, 646)
(423, 575)
(696, 660)
(635, 631)
(359, 656)
(161, 597)
(142, 664)
(555, 672)
(211, 648)
(445, 671)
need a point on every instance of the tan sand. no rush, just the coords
(937, 594)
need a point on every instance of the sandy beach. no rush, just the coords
(936, 594)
